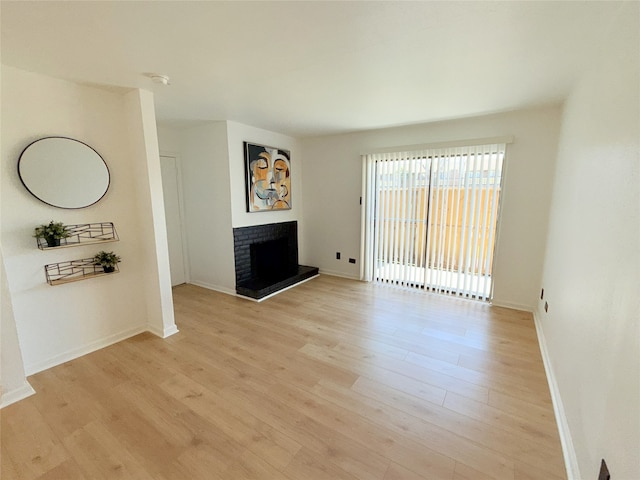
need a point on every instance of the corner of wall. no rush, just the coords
(13, 382)
(141, 111)
(16, 394)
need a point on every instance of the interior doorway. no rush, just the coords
(172, 193)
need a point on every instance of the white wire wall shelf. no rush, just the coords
(74, 271)
(84, 234)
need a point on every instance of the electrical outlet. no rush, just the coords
(542, 294)
(604, 471)
(352, 260)
(337, 255)
(546, 306)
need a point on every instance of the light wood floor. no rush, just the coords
(334, 379)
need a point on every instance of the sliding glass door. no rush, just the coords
(430, 218)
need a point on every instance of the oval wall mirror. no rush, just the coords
(63, 172)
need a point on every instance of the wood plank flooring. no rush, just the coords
(334, 379)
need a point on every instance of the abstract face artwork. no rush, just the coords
(268, 173)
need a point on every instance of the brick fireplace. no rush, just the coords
(266, 259)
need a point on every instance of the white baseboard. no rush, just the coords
(215, 288)
(83, 350)
(568, 450)
(514, 306)
(165, 332)
(339, 274)
(17, 394)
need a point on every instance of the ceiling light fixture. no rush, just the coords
(159, 79)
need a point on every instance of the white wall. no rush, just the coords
(592, 264)
(57, 323)
(204, 162)
(169, 139)
(332, 188)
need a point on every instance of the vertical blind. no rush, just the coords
(429, 218)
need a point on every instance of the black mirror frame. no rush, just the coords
(74, 140)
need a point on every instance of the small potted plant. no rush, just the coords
(52, 233)
(107, 260)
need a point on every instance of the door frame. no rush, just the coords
(183, 231)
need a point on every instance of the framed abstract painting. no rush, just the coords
(268, 178)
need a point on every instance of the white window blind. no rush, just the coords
(429, 217)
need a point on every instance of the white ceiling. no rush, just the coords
(310, 68)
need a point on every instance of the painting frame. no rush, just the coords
(267, 178)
